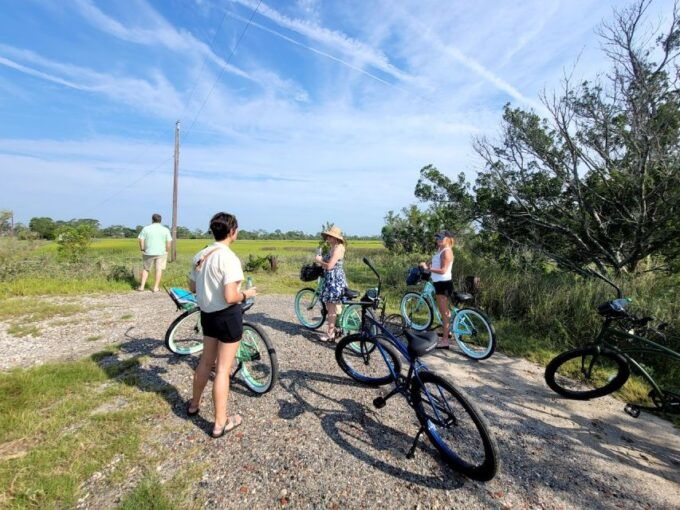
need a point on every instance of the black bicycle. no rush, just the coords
(604, 366)
(453, 424)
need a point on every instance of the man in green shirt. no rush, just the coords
(154, 241)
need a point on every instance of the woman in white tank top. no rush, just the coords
(440, 267)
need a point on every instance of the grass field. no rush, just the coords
(114, 265)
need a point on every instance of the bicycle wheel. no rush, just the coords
(309, 309)
(455, 426)
(587, 373)
(185, 335)
(395, 324)
(370, 366)
(350, 320)
(416, 311)
(257, 364)
(474, 333)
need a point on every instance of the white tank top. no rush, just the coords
(437, 264)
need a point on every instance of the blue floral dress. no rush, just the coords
(335, 282)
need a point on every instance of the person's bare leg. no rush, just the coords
(145, 275)
(331, 317)
(443, 305)
(225, 358)
(157, 279)
(202, 373)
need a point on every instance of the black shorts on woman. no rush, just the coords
(226, 325)
(444, 288)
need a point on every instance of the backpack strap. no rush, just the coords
(200, 262)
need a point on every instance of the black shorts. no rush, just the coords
(225, 325)
(443, 288)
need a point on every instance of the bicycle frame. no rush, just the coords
(402, 384)
(428, 295)
(649, 347)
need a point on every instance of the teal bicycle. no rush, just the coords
(311, 311)
(256, 361)
(470, 327)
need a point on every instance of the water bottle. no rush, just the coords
(249, 284)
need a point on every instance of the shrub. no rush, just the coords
(74, 241)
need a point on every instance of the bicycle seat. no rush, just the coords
(420, 342)
(351, 294)
(246, 306)
(462, 297)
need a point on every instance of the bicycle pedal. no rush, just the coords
(379, 402)
(632, 410)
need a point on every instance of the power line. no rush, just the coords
(200, 110)
(224, 67)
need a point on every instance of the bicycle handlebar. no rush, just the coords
(370, 264)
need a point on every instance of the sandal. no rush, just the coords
(232, 423)
(190, 412)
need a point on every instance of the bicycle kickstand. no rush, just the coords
(411, 452)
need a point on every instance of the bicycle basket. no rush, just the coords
(416, 274)
(413, 276)
(310, 272)
(184, 298)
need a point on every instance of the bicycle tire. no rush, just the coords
(464, 328)
(421, 306)
(309, 323)
(613, 383)
(175, 340)
(258, 377)
(467, 421)
(347, 358)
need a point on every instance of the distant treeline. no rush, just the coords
(46, 228)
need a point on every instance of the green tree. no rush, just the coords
(596, 185)
(450, 206)
(6, 222)
(44, 227)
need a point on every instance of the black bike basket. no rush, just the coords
(416, 274)
(310, 272)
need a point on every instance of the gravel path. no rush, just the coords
(316, 441)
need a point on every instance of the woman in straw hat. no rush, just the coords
(335, 281)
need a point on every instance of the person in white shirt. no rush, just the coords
(440, 267)
(216, 279)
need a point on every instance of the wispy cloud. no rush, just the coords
(157, 96)
(361, 52)
(164, 34)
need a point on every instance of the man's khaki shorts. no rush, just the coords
(159, 262)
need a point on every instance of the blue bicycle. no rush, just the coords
(453, 424)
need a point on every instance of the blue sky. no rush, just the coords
(326, 112)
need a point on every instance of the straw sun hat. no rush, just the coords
(333, 232)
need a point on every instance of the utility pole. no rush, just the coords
(173, 255)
